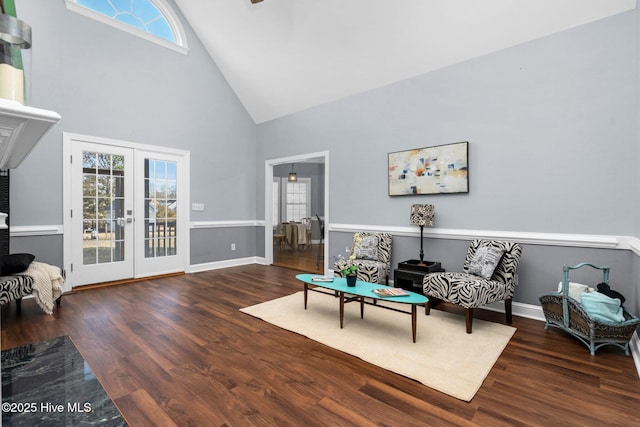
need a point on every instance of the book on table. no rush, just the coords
(390, 292)
(322, 278)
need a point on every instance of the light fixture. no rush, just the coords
(293, 177)
(422, 215)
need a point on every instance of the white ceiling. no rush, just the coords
(284, 56)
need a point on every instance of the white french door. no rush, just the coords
(161, 231)
(102, 213)
(128, 211)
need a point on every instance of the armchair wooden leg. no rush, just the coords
(427, 308)
(468, 317)
(507, 311)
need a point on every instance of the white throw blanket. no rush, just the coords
(47, 284)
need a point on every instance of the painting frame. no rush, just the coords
(439, 169)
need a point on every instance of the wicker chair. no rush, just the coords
(562, 311)
(470, 290)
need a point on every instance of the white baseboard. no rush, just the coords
(519, 309)
(196, 268)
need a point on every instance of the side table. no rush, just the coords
(410, 276)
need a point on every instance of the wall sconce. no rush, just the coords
(422, 215)
(293, 177)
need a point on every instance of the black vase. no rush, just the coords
(351, 280)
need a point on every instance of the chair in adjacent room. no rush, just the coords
(320, 257)
(489, 275)
(372, 256)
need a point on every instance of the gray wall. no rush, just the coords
(551, 127)
(108, 83)
(214, 244)
(553, 149)
(540, 269)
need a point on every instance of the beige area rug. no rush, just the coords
(444, 356)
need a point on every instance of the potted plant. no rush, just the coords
(348, 267)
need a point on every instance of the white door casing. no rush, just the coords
(124, 228)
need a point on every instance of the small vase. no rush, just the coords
(351, 280)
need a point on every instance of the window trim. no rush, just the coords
(181, 40)
(285, 203)
(277, 194)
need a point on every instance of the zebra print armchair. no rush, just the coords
(495, 260)
(373, 257)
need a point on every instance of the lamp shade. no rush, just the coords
(422, 215)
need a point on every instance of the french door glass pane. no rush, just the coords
(160, 208)
(102, 208)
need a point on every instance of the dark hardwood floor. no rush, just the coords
(307, 259)
(176, 351)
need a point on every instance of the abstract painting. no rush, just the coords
(431, 170)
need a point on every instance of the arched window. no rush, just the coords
(153, 20)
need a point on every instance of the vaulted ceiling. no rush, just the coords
(284, 56)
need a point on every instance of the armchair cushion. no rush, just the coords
(367, 248)
(466, 290)
(374, 270)
(15, 263)
(485, 261)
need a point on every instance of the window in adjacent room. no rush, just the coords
(153, 20)
(298, 199)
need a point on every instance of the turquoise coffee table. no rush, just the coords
(358, 293)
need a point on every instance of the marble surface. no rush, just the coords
(49, 384)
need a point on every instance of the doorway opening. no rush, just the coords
(296, 212)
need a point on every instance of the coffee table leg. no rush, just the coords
(362, 307)
(341, 308)
(306, 290)
(413, 321)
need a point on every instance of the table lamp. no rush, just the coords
(422, 215)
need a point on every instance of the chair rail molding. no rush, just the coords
(227, 224)
(533, 238)
(35, 230)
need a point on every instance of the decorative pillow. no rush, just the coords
(601, 307)
(485, 261)
(15, 263)
(367, 248)
(575, 290)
